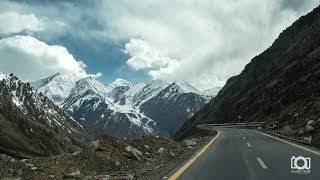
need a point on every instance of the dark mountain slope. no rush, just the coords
(30, 124)
(281, 86)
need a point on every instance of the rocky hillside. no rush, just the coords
(30, 124)
(112, 158)
(280, 86)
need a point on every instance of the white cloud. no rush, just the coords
(17, 22)
(13, 22)
(204, 42)
(31, 59)
(99, 74)
(143, 56)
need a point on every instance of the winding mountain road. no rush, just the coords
(244, 155)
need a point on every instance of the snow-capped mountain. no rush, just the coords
(128, 95)
(187, 88)
(117, 88)
(121, 108)
(33, 124)
(89, 102)
(118, 83)
(56, 87)
(148, 92)
(173, 105)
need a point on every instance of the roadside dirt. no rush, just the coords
(112, 158)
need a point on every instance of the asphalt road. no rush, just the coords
(239, 154)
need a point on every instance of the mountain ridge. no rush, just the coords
(120, 102)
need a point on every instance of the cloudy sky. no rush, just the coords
(203, 42)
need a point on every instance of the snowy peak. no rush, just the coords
(134, 89)
(56, 87)
(118, 83)
(154, 87)
(179, 88)
(155, 84)
(149, 91)
(42, 82)
(186, 87)
(90, 83)
(170, 91)
(121, 82)
(117, 88)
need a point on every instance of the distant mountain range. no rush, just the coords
(123, 109)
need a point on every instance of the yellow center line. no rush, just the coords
(293, 144)
(185, 166)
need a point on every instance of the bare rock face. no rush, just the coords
(280, 86)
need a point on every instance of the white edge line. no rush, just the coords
(290, 143)
(263, 165)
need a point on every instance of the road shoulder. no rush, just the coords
(176, 172)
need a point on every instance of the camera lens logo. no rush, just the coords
(300, 164)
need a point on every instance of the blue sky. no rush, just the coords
(203, 42)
